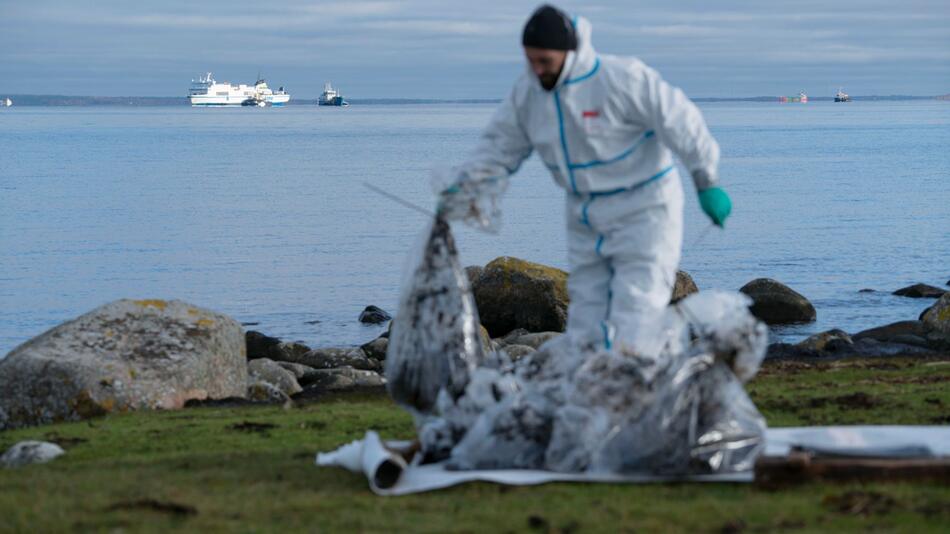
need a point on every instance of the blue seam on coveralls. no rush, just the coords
(567, 157)
(560, 118)
(610, 292)
(591, 196)
(603, 326)
(622, 155)
(581, 78)
(651, 179)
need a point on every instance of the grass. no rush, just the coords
(250, 469)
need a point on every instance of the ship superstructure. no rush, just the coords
(331, 97)
(841, 96)
(205, 91)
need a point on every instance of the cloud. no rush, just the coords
(681, 30)
(379, 42)
(442, 27)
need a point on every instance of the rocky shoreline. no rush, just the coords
(154, 354)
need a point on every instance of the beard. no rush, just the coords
(548, 81)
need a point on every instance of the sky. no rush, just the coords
(468, 49)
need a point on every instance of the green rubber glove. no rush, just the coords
(716, 205)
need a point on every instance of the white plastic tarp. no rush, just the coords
(388, 474)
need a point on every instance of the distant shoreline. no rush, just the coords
(159, 101)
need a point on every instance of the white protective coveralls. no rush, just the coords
(607, 132)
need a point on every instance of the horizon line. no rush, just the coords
(370, 99)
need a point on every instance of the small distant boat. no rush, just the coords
(331, 97)
(841, 96)
(801, 98)
(7, 102)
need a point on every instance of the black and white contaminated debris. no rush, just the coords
(571, 406)
(434, 341)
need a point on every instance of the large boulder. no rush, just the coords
(125, 355)
(776, 303)
(684, 287)
(937, 322)
(513, 293)
(921, 291)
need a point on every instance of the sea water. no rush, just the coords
(261, 213)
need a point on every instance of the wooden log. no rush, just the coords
(800, 467)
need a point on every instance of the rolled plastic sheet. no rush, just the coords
(416, 478)
(382, 466)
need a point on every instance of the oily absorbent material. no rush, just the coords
(573, 406)
(388, 474)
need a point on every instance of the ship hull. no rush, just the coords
(202, 101)
(336, 101)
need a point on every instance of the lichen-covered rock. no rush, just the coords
(684, 287)
(921, 291)
(30, 452)
(831, 340)
(775, 303)
(937, 322)
(513, 293)
(125, 355)
(273, 373)
(331, 358)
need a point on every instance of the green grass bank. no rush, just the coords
(250, 469)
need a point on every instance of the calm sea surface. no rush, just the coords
(260, 213)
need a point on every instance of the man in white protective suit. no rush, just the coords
(607, 128)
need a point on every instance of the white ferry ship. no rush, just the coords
(205, 91)
(331, 97)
